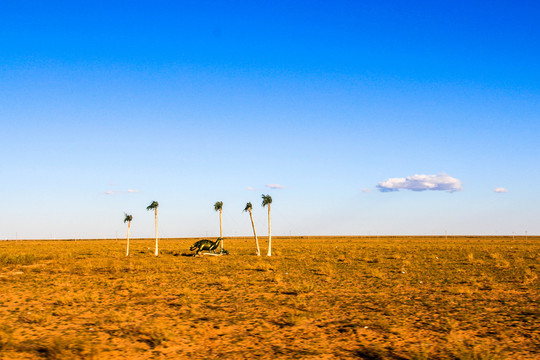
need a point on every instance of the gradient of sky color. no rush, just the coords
(106, 106)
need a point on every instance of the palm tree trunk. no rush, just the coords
(156, 252)
(127, 249)
(221, 229)
(269, 233)
(255, 233)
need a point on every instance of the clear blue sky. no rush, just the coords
(106, 106)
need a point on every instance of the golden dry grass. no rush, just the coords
(317, 298)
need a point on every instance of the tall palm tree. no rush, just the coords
(153, 206)
(267, 200)
(248, 208)
(128, 219)
(218, 206)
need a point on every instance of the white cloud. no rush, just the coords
(365, 190)
(439, 182)
(129, 191)
(275, 186)
(250, 188)
(500, 190)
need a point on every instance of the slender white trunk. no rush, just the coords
(269, 233)
(157, 251)
(221, 229)
(255, 233)
(127, 248)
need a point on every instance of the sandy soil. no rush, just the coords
(317, 298)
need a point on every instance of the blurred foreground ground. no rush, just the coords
(317, 298)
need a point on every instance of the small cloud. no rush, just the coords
(275, 186)
(250, 188)
(439, 182)
(500, 190)
(129, 191)
(365, 190)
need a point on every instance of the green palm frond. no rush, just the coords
(248, 207)
(152, 206)
(267, 200)
(218, 205)
(128, 218)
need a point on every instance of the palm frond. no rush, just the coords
(218, 205)
(128, 218)
(248, 207)
(267, 200)
(152, 206)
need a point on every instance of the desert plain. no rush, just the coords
(467, 297)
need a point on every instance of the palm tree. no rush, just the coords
(218, 206)
(267, 200)
(153, 206)
(128, 219)
(248, 208)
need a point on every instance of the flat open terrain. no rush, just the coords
(317, 298)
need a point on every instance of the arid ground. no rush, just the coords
(316, 298)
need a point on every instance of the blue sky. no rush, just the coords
(107, 106)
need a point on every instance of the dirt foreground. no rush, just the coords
(316, 298)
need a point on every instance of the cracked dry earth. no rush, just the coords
(317, 298)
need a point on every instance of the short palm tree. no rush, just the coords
(128, 219)
(267, 200)
(248, 208)
(153, 206)
(218, 206)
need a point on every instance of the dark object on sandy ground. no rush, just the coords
(205, 244)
